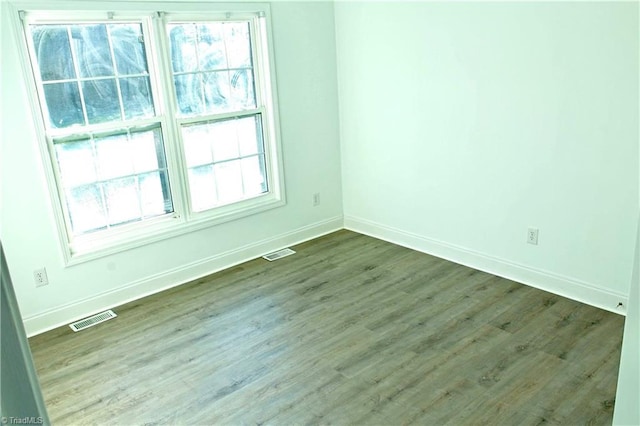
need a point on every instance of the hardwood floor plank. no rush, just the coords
(349, 330)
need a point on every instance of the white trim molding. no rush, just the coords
(61, 315)
(544, 280)
(571, 288)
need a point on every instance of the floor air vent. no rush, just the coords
(278, 254)
(92, 320)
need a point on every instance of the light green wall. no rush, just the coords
(463, 124)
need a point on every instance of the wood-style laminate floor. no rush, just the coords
(350, 330)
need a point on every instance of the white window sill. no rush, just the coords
(170, 226)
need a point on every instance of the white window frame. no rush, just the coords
(154, 17)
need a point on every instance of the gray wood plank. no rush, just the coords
(350, 330)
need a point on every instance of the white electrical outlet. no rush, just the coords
(316, 199)
(40, 277)
(532, 236)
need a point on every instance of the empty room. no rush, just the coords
(320, 212)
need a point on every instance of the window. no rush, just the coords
(154, 123)
(213, 74)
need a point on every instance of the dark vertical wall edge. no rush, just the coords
(21, 400)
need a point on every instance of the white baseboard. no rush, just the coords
(564, 286)
(584, 292)
(61, 315)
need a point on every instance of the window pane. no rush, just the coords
(202, 188)
(136, 97)
(189, 93)
(128, 48)
(86, 209)
(183, 48)
(151, 194)
(211, 47)
(217, 92)
(123, 204)
(197, 145)
(76, 163)
(238, 45)
(224, 139)
(91, 45)
(52, 51)
(146, 154)
(101, 100)
(63, 103)
(250, 135)
(241, 89)
(229, 179)
(114, 159)
(254, 176)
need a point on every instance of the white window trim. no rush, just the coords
(125, 237)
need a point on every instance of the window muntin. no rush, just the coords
(92, 73)
(102, 204)
(95, 77)
(214, 81)
(113, 179)
(212, 67)
(228, 150)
